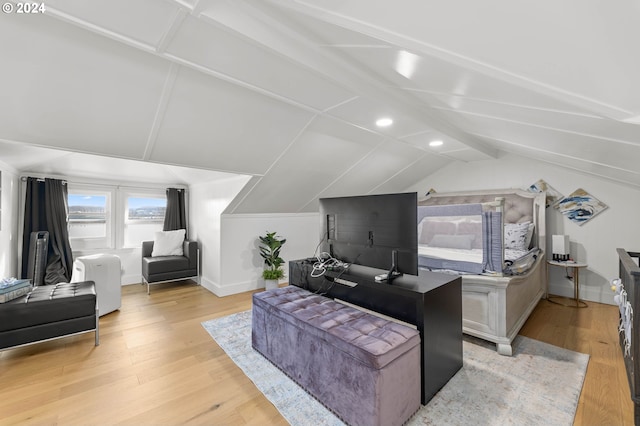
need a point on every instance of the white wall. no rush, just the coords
(594, 242)
(207, 201)
(230, 262)
(241, 262)
(9, 222)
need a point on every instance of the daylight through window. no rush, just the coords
(90, 219)
(118, 217)
(87, 216)
(144, 216)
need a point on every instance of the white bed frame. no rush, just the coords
(494, 308)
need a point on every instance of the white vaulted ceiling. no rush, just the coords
(288, 92)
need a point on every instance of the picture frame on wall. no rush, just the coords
(553, 196)
(580, 206)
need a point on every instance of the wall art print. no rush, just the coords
(580, 206)
(553, 196)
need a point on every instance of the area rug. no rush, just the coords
(539, 385)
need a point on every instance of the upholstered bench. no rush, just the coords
(364, 368)
(49, 312)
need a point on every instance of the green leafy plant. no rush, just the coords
(269, 274)
(270, 246)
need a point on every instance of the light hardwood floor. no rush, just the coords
(157, 365)
(605, 397)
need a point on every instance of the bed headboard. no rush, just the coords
(519, 206)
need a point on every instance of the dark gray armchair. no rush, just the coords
(162, 269)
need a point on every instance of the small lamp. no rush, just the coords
(560, 247)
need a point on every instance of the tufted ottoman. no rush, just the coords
(49, 312)
(364, 368)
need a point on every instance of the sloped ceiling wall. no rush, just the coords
(288, 92)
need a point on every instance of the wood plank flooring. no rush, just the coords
(605, 397)
(157, 365)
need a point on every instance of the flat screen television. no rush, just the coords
(379, 231)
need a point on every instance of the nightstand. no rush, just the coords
(575, 302)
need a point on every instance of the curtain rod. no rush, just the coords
(24, 179)
(112, 185)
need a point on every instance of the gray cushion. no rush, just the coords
(163, 264)
(49, 304)
(372, 340)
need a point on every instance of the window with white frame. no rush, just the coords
(144, 215)
(90, 219)
(112, 217)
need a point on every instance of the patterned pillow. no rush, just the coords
(515, 235)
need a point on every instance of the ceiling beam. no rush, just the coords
(415, 45)
(165, 96)
(262, 25)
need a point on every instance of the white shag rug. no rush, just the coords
(539, 385)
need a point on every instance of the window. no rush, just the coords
(143, 217)
(113, 217)
(89, 219)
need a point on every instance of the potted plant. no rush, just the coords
(270, 246)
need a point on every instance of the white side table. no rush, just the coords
(576, 302)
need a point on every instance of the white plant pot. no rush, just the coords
(270, 284)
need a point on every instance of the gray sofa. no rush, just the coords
(169, 268)
(49, 312)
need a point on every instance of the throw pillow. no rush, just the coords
(515, 235)
(168, 243)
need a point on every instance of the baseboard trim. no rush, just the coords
(228, 290)
(590, 294)
(131, 279)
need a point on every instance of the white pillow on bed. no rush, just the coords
(168, 243)
(515, 235)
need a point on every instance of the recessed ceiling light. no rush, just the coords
(435, 143)
(384, 122)
(406, 63)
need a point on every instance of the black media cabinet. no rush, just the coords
(431, 301)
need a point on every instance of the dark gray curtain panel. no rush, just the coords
(46, 210)
(34, 219)
(175, 217)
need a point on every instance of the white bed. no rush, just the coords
(462, 255)
(494, 306)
